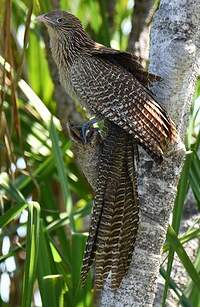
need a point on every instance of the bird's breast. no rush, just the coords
(65, 80)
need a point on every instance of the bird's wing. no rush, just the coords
(126, 60)
(114, 93)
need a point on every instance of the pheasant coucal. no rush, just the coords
(111, 85)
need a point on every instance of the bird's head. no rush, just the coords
(66, 35)
(60, 23)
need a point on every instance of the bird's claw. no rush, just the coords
(82, 134)
(87, 130)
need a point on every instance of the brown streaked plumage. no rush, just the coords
(115, 217)
(111, 85)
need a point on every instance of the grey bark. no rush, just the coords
(139, 35)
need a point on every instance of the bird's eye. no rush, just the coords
(59, 20)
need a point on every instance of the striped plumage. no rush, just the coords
(114, 220)
(109, 83)
(112, 85)
(115, 94)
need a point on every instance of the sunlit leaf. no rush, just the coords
(32, 248)
(178, 248)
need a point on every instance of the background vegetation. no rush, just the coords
(44, 199)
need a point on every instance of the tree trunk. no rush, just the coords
(174, 55)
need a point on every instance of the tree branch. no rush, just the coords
(139, 35)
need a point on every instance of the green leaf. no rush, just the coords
(78, 292)
(62, 263)
(184, 238)
(46, 267)
(194, 177)
(32, 247)
(62, 221)
(38, 71)
(56, 282)
(11, 214)
(178, 248)
(191, 290)
(58, 157)
(177, 214)
(181, 193)
(9, 188)
(182, 298)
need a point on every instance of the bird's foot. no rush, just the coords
(83, 134)
(86, 129)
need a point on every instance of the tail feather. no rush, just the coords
(105, 165)
(104, 243)
(130, 219)
(113, 250)
(90, 250)
(115, 214)
(131, 216)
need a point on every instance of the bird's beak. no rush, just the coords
(44, 19)
(41, 18)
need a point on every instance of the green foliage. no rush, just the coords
(43, 195)
(32, 248)
(189, 179)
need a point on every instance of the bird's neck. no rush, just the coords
(66, 51)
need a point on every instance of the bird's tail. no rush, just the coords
(115, 215)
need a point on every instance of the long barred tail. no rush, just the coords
(115, 217)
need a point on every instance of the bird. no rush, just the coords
(113, 86)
